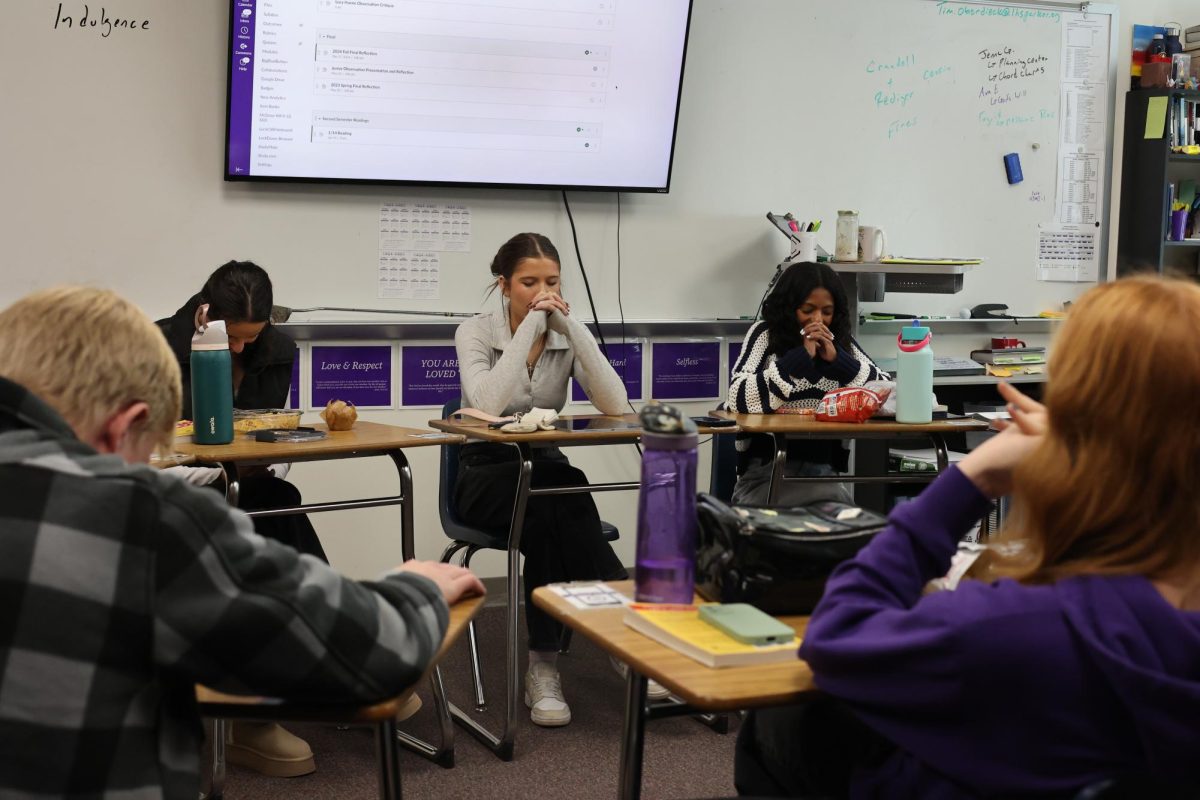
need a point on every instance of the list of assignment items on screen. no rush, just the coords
(566, 91)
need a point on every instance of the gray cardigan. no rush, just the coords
(491, 364)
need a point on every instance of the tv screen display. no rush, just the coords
(533, 93)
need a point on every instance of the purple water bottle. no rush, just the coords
(666, 531)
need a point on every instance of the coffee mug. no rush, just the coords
(1006, 342)
(872, 243)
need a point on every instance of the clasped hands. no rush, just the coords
(818, 341)
(551, 302)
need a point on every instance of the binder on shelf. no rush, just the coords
(1012, 356)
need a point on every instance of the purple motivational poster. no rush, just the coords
(626, 359)
(686, 371)
(358, 374)
(294, 393)
(428, 375)
(735, 352)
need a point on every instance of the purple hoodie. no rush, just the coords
(1001, 689)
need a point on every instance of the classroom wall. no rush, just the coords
(112, 160)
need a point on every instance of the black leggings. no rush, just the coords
(561, 538)
(810, 750)
(294, 530)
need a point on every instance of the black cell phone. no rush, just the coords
(288, 435)
(714, 422)
(498, 425)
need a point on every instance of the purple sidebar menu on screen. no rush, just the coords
(241, 87)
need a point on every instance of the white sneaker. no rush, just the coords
(654, 689)
(543, 695)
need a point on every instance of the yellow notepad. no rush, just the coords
(680, 628)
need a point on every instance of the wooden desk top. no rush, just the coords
(221, 705)
(365, 438)
(725, 689)
(800, 425)
(478, 429)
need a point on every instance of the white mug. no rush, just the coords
(806, 247)
(872, 243)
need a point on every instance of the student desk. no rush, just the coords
(364, 439)
(381, 715)
(698, 686)
(478, 430)
(782, 427)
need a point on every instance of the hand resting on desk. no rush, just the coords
(455, 582)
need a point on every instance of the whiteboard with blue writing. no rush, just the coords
(902, 110)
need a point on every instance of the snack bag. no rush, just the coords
(849, 404)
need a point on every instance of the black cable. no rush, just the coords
(583, 272)
(621, 309)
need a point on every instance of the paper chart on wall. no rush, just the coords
(410, 237)
(1083, 112)
(1068, 252)
(409, 274)
(440, 227)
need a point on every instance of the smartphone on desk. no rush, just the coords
(714, 422)
(746, 623)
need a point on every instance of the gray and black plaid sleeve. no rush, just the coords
(242, 613)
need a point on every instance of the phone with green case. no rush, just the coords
(746, 623)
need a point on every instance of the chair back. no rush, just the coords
(448, 474)
(723, 473)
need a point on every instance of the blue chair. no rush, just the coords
(471, 540)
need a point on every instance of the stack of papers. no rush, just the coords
(923, 260)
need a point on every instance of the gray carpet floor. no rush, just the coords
(683, 759)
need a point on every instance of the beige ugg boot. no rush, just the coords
(267, 748)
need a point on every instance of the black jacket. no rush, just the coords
(268, 361)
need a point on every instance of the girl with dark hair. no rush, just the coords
(517, 358)
(800, 350)
(239, 292)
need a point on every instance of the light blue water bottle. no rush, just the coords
(914, 374)
(212, 385)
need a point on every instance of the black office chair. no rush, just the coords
(471, 540)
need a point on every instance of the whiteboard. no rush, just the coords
(113, 170)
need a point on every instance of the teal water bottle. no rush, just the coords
(212, 385)
(914, 374)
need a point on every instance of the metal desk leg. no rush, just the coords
(939, 446)
(407, 547)
(777, 468)
(389, 760)
(212, 760)
(634, 736)
(502, 745)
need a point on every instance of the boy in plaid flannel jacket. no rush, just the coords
(122, 587)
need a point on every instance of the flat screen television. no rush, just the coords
(571, 94)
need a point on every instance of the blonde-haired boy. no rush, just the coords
(124, 587)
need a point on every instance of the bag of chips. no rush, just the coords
(848, 404)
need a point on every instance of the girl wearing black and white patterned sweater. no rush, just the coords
(800, 350)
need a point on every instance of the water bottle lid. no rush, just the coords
(659, 417)
(670, 441)
(914, 332)
(211, 337)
